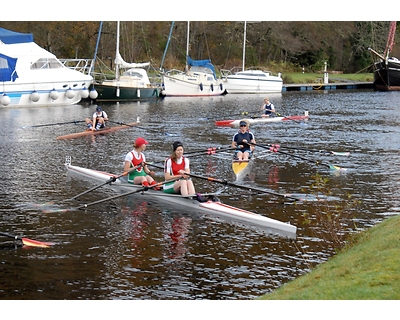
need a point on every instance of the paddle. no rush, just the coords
(112, 179)
(144, 128)
(227, 183)
(274, 149)
(53, 124)
(314, 150)
(29, 242)
(159, 184)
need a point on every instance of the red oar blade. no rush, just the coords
(35, 243)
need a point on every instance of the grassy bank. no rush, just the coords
(368, 270)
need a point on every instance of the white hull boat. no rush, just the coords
(252, 81)
(32, 76)
(211, 208)
(255, 120)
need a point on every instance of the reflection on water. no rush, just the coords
(130, 248)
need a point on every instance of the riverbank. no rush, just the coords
(368, 270)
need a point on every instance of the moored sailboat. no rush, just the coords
(132, 85)
(199, 80)
(387, 69)
(251, 81)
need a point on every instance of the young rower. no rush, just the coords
(142, 175)
(269, 109)
(99, 120)
(240, 141)
(178, 166)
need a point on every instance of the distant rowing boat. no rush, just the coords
(101, 131)
(235, 123)
(213, 208)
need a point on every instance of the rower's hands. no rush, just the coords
(183, 173)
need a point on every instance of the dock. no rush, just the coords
(327, 86)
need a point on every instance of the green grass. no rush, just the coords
(298, 77)
(369, 269)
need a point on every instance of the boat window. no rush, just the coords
(133, 74)
(3, 63)
(46, 63)
(201, 69)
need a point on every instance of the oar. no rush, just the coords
(274, 149)
(159, 184)
(112, 179)
(336, 153)
(227, 183)
(209, 151)
(53, 124)
(144, 128)
(28, 242)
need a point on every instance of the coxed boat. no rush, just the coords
(101, 131)
(235, 123)
(213, 208)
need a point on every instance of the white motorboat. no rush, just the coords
(252, 81)
(32, 76)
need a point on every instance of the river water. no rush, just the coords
(130, 248)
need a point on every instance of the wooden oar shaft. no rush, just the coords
(227, 183)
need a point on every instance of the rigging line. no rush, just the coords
(205, 37)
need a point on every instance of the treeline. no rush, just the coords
(276, 46)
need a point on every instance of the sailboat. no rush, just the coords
(387, 69)
(251, 81)
(132, 85)
(199, 80)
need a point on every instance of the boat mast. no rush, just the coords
(244, 45)
(117, 54)
(95, 50)
(166, 47)
(187, 46)
(390, 40)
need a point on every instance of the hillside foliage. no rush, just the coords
(276, 46)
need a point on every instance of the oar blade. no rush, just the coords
(35, 243)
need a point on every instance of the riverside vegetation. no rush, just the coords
(367, 266)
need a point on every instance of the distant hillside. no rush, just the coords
(277, 46)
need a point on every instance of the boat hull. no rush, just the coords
(121, 93)
(235, 123)
(35, 77)
(252, 81)
(182, 85)
(212, 208)
(93, 133)
(387, 75)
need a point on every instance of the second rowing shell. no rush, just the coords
(90, 132)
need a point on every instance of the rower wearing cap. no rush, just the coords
(142, 175)
(241, 140)
(99, 120)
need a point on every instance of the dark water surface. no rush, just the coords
(129, 248)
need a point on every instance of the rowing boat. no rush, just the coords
(235, 123)
(101, 131)
(212, 208)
